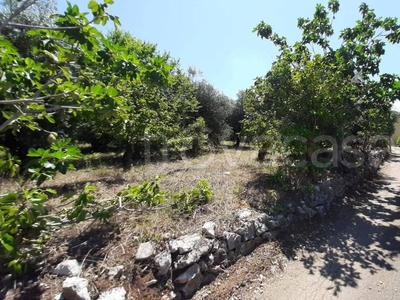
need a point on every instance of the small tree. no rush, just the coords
(215, 108)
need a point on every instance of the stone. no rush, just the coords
(258, 240)
(193, 285)
(246, 230)
(327, 206)
(311, 212)
(209, 259)
(263, 218)
(260, 227)
(275, 222)
(184, 244)
(203, 266)
(117, 293)
(300, 211)
(289, 219)
(242, 213)
(215, 270)
(247, 247)
(231, 256)
(59, 297)
(220, 256)
(163, 262)
(68, 268)
(217, 244)
(188, 275)
(270, 235)
(116, 272)
(232, 239)
(76, 288)
(172, 296)
(145, 251)
(321, 198)
(209, 229)
(208, 279)
(200, 248)
(321, 211)
(223, 245)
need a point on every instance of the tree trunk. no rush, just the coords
(262, 153)
(127, 157)
(195, 146)
(237, 145)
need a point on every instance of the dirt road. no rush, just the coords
(352, 254)
(359, 258)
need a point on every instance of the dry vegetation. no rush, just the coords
(236, 178)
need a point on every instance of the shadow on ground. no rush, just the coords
(361, 232)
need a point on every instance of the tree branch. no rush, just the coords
(31, 100)
(50, 109)
(35, 96)
(24, 6)
(31, 27)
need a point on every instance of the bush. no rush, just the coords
(186, 201)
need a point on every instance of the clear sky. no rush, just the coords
(216, 36)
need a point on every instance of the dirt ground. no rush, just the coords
(354, 253)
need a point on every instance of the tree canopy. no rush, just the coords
(313, 89)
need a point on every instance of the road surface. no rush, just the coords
(357, 255)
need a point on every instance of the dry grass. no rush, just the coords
(228, 172)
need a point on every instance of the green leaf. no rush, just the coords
(7, 241)
(90, 188)
(36, 152)
(111, 91)
(9, 198)
(97, 89)
(93, 6)
(51, 191)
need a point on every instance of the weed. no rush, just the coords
(186, 201)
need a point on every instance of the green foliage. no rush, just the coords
(9, 164)
(49, 162)
(398, 142)
(215, 109)
(146, 110)
(186, 201)
(73, 80)
(148, 193)
(310, 93)
(237, 115)
(21, 226)
(279, 177)
(23, 214)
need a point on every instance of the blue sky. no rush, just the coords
(216, 36)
